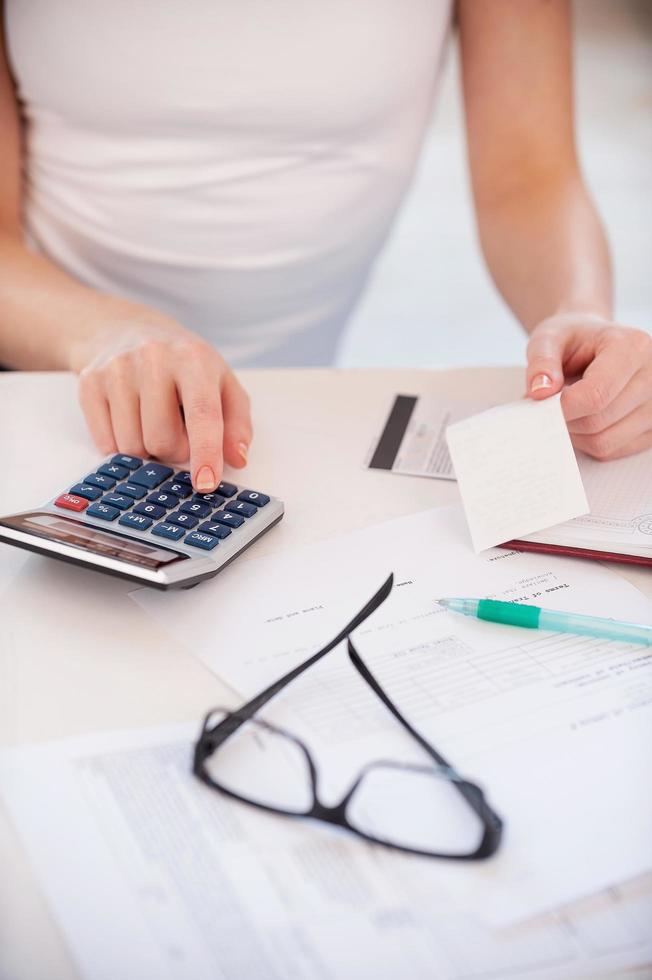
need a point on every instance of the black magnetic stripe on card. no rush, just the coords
(390, 440)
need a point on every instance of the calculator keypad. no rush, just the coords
(154, 498)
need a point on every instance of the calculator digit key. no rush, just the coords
(150, 475)
(131, 462)
(227, 489)
(70, 501)
(199, 540)
(196, 507)
(167, 500)
(131, 490)
(254, 497)
(171, 531)
(177, 488)
(217, 530)
(242, 508)
(150, 510)
(227, 519)
(214, 499)
(183, 520)
(118, 500)
(103, 511)
(137, 522)
(100, 480)
(86, 490)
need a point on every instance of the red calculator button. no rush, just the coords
(71, 502)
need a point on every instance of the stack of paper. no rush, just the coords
(152, 876)
(554, 727)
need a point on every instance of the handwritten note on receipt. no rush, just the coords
(516, 471)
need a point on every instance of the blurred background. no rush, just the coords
(430, 301)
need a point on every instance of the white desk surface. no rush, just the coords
(63, 669)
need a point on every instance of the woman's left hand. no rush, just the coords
(609, 409)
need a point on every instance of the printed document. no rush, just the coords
(516, 470)
(555, 727)
(152, 876)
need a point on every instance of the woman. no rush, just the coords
(184, 186)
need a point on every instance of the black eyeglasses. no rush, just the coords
(429, 810)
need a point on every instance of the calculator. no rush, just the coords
(141, 520)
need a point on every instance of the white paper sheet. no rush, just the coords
(516, 471)
(554, 726)
(152, 876)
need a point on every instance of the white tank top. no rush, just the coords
(235, 163)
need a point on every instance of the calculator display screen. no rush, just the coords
(90, 538)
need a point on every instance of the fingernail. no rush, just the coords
(243, 449)
(541, 381)
(205, 480)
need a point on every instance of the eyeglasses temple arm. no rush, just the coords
(366, 674)
(252, 707)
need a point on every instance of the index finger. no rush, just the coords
(603, 380)
(202, 407)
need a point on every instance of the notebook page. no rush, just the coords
(620, 500)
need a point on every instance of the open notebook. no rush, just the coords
(619, 525)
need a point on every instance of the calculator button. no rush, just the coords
(167, 500)
(178, 489)
(150, 510)
(227, 489)
(214, 499)
(229, 520)
(131, 490)
(86, 490)
(168, 531)
(183, 477)
(114, 470)
(100, 480)
(217, 530)
(150, 475)
(200, 540)
(242, 508)
(138, 522)
(253, 497)
(196, 507)
(119, 500)
(70, 501)
(103, 511)
(131, 462)
(183, 520)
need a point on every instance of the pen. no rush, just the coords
(532, 617)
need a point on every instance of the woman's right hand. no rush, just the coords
(149, 387)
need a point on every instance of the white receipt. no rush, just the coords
(516, 471)
(554, 726)
(155, 877)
